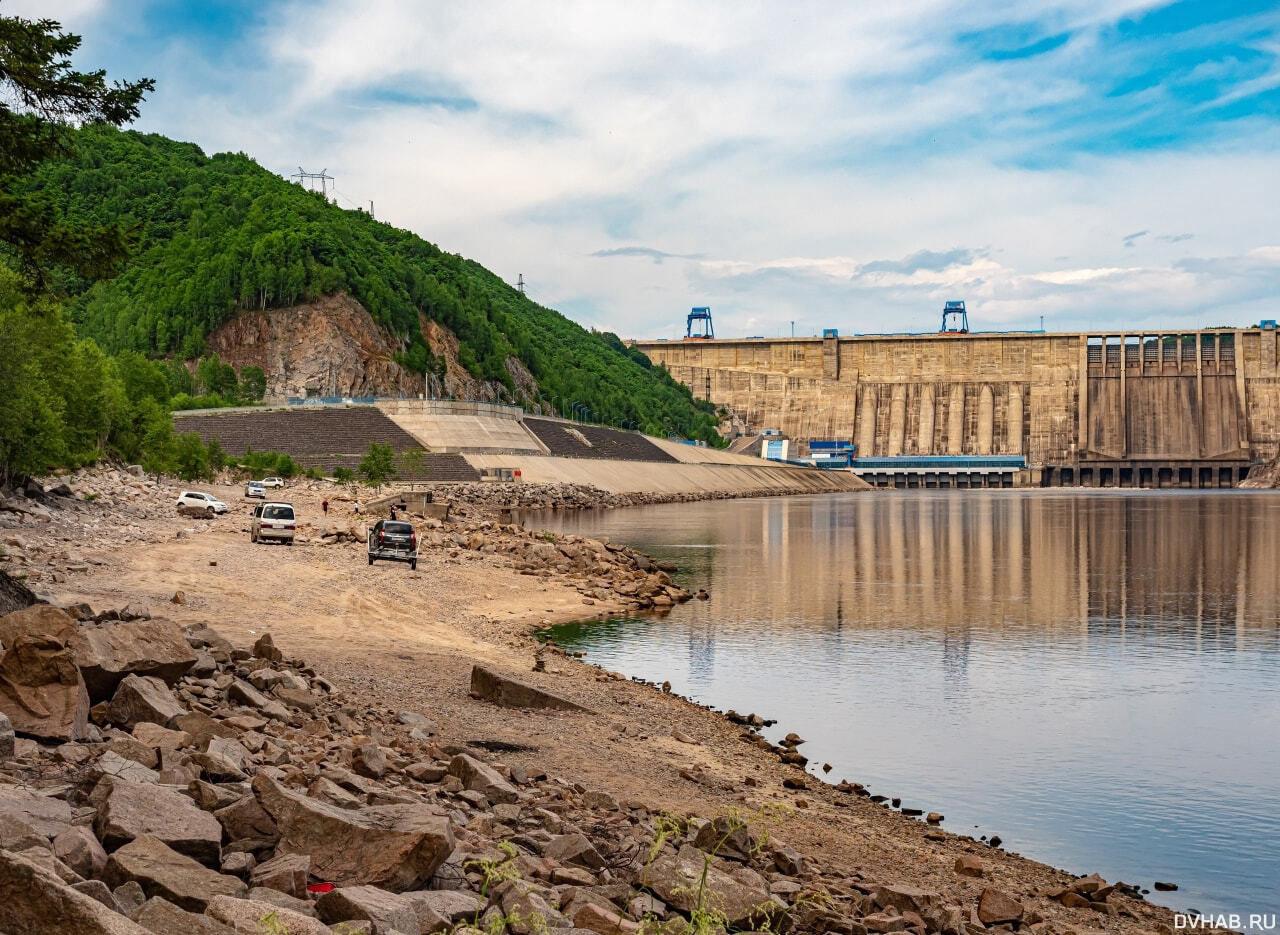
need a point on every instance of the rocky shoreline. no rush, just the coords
(566, 496)
(188, 775)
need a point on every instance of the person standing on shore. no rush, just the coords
(325, 506)
(357, 508)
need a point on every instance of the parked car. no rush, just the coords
(273, 521)
(255, 488)
(272, 482)
(197, 500)
(393, 540)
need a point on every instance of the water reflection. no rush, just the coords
(1091, 674)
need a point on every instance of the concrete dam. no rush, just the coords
(1185, 409)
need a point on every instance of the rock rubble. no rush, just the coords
(200, 800)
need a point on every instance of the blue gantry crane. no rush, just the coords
(699, 321)
(955, 320)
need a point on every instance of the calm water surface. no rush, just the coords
(1091, 675)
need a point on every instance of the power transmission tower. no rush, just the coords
(308, 181)
(520, 283)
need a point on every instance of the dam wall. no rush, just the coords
(1191, 409)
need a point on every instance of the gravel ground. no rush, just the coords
(401, 639)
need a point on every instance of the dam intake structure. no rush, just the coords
(1096, 409)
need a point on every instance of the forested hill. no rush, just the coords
(220, 234)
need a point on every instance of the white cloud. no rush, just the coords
(767, 154)
(67, 12)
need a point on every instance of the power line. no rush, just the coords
(308, 180)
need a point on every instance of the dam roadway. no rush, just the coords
(1165, 409)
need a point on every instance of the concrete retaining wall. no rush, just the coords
(449, 425)
(641, 476)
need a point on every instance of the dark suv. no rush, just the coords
(395, 540)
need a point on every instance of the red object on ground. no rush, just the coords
(318, 889)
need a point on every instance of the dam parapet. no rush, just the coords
(1150, 409)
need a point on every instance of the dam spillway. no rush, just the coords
(1163, 409)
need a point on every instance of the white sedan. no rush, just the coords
(206, 500)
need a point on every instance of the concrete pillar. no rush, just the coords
(1124, 399)
(1013, 437)
(1200, 393)
(897, 419)
(955, 420)
(867, 423)
(927, 408)
(1242, 411)
(831, 358)
(986, 419)
(1082, 430)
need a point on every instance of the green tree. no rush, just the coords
(179, 378)
(253, 384)
(217, 457)
(31, 417)
(378, 464)
(190, 457)
(413, 463)
(41, 96)
(216, 378)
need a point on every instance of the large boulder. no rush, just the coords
(355, 903)
(678, 879)
(36, 902)
(141, 698)
(575, 848)
(251, 917)
(80, 849)
(507, 692)
(481, 777)
(161, 917)
(41, 691)
(285, 874)
(162, 871)
(14, 595)
(200, 728)
(247, 819)
(397, 847)
(995, 906)
(106, 655)
(128, 810)
(16, 835)
(241, 692)
(438, 909)
(110, 763)
(727, 837)
(48, 816)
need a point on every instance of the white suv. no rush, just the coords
(202, 500)
(273, 482)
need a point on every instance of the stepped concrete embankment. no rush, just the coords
(459, 440)
(450, 426)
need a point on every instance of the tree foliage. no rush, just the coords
(65, 401)
(220, 235)
(378, 464)
(43, 96)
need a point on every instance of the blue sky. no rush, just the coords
(1100, 163)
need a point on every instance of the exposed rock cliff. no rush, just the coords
(333, 347)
